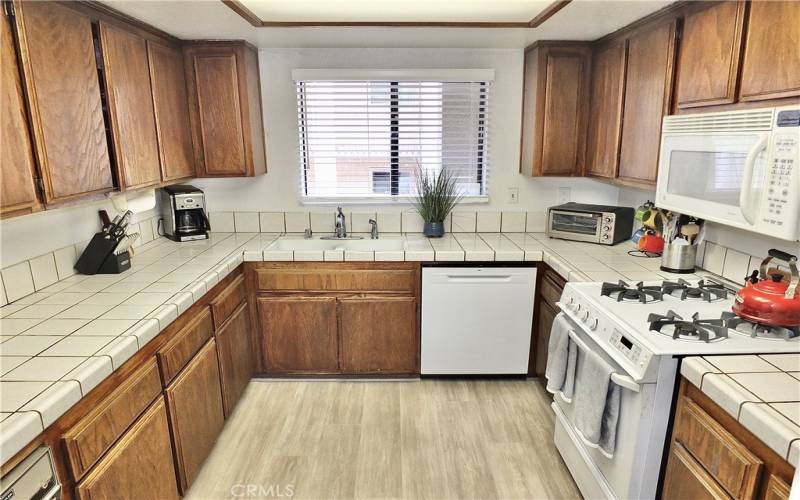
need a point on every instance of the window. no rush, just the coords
(365, 138)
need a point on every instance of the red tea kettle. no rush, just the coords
(771, 300)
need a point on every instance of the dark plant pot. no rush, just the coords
(433, 229)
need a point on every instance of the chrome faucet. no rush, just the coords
(373, 234)
(341, 224)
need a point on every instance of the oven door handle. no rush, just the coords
(623, 381)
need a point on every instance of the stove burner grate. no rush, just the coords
(707, 290)
(759, 330)
(696, 329)
(624, 292)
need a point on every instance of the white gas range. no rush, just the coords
(619, 322)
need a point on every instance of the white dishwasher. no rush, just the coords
(476, 320)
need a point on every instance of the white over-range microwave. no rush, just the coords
(738, 168)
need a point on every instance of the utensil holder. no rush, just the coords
(678, 258)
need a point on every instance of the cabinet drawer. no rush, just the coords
(93, 435)
(550, 291)
(331, 279)
(180, 349)
(228, 300)
(727, 460)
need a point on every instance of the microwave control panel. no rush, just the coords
(782, 180)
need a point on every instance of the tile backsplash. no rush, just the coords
(22, 279)
(460, 221)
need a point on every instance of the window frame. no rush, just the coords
(394, 77)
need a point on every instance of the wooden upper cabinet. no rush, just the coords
(130, 100)
(171, 106)
(60, 73)
(771, 64)
(194, 400)
(297, 334)
(648, 87)
(225, 109)
(708, 59)
(17, 167)
(139, 465)
(378, 335)
(604, 130)
(555, 105)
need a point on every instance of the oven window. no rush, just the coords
(581, 224)
(711, 176)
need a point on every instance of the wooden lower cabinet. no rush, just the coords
(712, 456)
(298, 334)
(548, 292)
(687, 479)
(543, 325)
(138, 466)
(378, 335)
(777, 489)
(194, 400)
(235, 351)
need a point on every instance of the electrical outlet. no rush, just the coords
(564, 194)
(513, 195)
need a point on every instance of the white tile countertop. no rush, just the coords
(60, 342)
(761, 392)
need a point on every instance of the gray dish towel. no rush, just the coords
(597, 402)
(562, 356)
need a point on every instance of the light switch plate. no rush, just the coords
(513, 195)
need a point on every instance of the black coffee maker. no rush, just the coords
(183, 212)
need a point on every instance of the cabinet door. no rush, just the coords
(130, 100)
(215, 77)
(777, 489)
(235, 357)
(195, 413)
(58, 59)
(708, 62)
(378, 335)
(17, 167)
(297, 334)
(771, 65)
(605, 111)
(648, 88)
(685, 478)
(139, 465)
(562, 137)
(543, 325)
(171, 107)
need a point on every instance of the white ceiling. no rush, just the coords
(579, 20)
(396, 11)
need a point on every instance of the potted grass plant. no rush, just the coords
(437, 195)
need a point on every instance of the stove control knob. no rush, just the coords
(605, 236)
(585, 316)
(593, 324)
(607, 219)
(578, 308)
(606, 228)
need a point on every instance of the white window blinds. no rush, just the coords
(367, 138)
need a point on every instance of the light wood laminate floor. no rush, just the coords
(436, 439)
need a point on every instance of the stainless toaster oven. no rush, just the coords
(604, 224)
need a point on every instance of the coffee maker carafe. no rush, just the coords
(183, 211)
